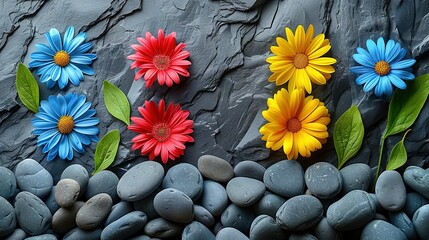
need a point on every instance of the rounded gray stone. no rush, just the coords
(7, 183)
(417, 178)
(142, 237)
(185, 178)
(140, 181)
(203, 216)
(79, 234)
(64, 219)
(352, 211)
(265, 227)
(18, 234)
(215, 168)
(269, 204)
(229, 233)
(78, 173)
(390, 190)
(50, 201)
(174, 205)
(244, 192)
(197, 231)
(300, 213)
(249, 169)
(7, 216)
(118, 210)
(94, 211)
(32, 214)
(102, 182)
(323, 230)
(124, 227)
(285, 178)
(323, 180)
(356, 177)
(302, 236)
(413, 202)
(238, 218)
(403, 223)
(43, 237)
(162, 228)
(146, 205)
(33, 178)
(66, 192)
(214, 197)
(381, 230)
(421, 222)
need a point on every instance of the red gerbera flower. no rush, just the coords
(161, 131)
(160, 59)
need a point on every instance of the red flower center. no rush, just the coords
(293, 125)
(161, 132)
(65, 124)
(161, 62)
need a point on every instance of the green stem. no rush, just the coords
(380, 156)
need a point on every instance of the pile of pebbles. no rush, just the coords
(214, 201)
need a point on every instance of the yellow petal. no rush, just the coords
(319, 52)
(291, 39)
(308, 108)
(296, 99)
(315, 76)
(317, 113)
(323, 61)
(300, 38)
(285, 46)
(285, 75)
(314, 126)
(276, 136)
(303, 80)
(309, 35)
(280, 66)
(323, 69)
(316, 134)
(323, 120)
(288, 143)
(315, 44)
(277, 145)
(311, 142)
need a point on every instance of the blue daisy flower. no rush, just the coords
(382, 66)
(65, 123)
(62, 61)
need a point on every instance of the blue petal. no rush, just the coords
(365, 78)
(386, 86)
(47, 136)
(372, 48)
(46, 117)
(363, 60)
(402, 64)
(64, 148)
(50, 84)
(56, 73)
(80, 59)
(88, 122)
(389, 46)
(68, 37)
(379, 89)
(70, 97)
(91, 56)
(64, 79)
(84, 139)
(77, 145)
(78, 40)
(74, 107)
(402, 74)
(81, 110)
(52, 143)
(46, 69)
(63, 104)
(400, 56)
(35, 63)
(397, 81)
(53, 153)
(361, 69)
(83, 48)
(87, 130)
(85, 69)
(366, 53)
(73, 76)
(43, 48)
(396, 49)
(54, 39)
(381, 48)
(53, 102)
(87, 114)
(49, 109)
(40, 124)
(70, 154)
(41, 56)
(370, 84)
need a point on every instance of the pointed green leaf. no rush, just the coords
(406, 105)
(398, 156)
(106, 150)
(348, 135)
(116, 102)
(28, 90)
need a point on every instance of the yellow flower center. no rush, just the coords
(300, 60)
(65, 124)
(293, 125)
(161, 62)
(382, 68)
(62, 58)
(161, 132)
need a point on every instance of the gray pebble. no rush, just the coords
(78, 173)
(102, 182)
(390, 190)
(285, 178)
(118, 210)
(324, 231)
(94, 211)
(7, 183)
(64, 219)
(381, 230)
(140, 181)
(265, 227)
(352, 211)
(249, 169)
(185, 178)
(403, 223)
(32, 214)
(378, 206)
(244, 192)
(43, 237)
(414, 201)
(300, 213)
(215, 168)
(229, 233)
(33, 178)
(142, 237)
(174, 205)
(379, 216)
(162, 228)
(66, 192)
(217, 227)
(302, 236)
(18, 234)
(124, 227)
(214, 197)
(238, 218)
(79, 234)
(421, 221)
(50, 201)
(197, 231)
(269, 204)
(203, 216)
(146, 205)
(418, 179)
(7, 216)
(323, 180)
(356, 177)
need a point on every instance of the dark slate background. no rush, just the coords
(229, 42)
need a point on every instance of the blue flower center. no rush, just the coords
(382, 68)
(62, 58)
(65, 124)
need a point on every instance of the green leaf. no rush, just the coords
(348, 135)
(398, 156)
(28, 90)
(116, 102)
(406, 105)
(106, 150)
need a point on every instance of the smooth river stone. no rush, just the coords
(32, 214)
(66, 192)
(94, 211)
(185, 178)
(302, 236)
(352, 211)
(244, 192)
(80, 234)
(285, 178)
(324, 231)
(418, 179)
(140, 181)
(214, 197)
(203, 216)
(33, 178)
(162, 228)
(64, 219)
(390, 190)
(174, 205)
(118, 210)
(103, 182)
(381, 230)
(356, 177)
(50, 201)
(7, 216)
(268, 204)
(124, 227)
(7, 183)
(18, 234)
(323, 180)
(414, 201)
(238, 218)
(421, 222)
(78, 173)
(265, 227)
(249, 169)
(229, 233)
(43, 237)
(146, 205)
(403, 223)
(197, 231)
(215, 168)
(300, 213)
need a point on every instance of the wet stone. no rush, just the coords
(324, 231)
(356, 177)
(79, 234)
(214, 198)
(66, 192)
(174, 205)
(124, 227)
(249, 169)
(285, 178)
(420, 222)
(300, 213)
(229, 233)
(382, 230)
(8, 218)
(18, 234)
(32, 214)
(265, 227)
(185, 178)
(43, 237)
(118, 210)
(203, 216)
(64, 219)
(269, 204)
(103, 182)
(244, 192)
(50, 201)
(238, 218)
(215, 168)
(146, 205)
(33, 178)
(403, 223)
(323, 180)
(418, 179)
(197, 231)
(162, 228)
(7, 183)
(94, 211)
(413, 202)
(390, 190)
(302, 236)
(78, 173)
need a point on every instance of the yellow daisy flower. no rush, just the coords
(299, 59)
(296, 122)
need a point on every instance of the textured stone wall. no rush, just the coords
(229, 42)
